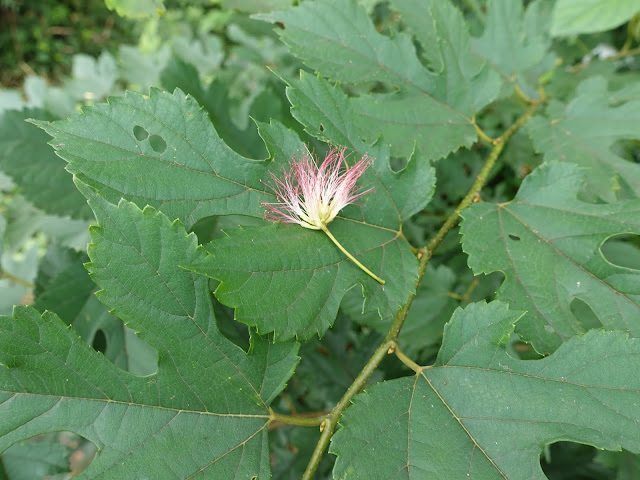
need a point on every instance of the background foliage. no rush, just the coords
(192, 337)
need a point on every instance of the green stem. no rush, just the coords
(407, 361)
(389, 344)
(351, 257)
(15, 279)
(298, 420)
(481, 179)
(483, 135)
(332, 419)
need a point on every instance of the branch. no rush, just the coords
(388, 345)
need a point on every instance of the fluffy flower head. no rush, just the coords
(312, 195)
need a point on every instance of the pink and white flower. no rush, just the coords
(312, 195)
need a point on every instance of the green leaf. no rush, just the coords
(308, 272)
(547, 243)
(306, 269)
(514, 41)
(571, 17)
(337, 39)
(430, 309)
(63, 285)
(30, 162)
(584, 131)
(204, 412)
(215, 100)
(136, 8)
(161, 151)
(325, 112)
(479, 413)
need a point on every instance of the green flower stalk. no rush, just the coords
(312, 195)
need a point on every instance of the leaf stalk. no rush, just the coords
(407, 361)
(300, 420)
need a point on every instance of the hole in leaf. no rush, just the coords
(397, 164)
(321, 128)
(514, 237)
(524, 351)
(48, 455)
(623, 251)
(229, 327)
(99, 341)
(140, 133)
(142, 358)
(558, 459)
(157, 143)
(584, 314)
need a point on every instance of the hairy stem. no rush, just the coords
(389, 344)
(351, 257)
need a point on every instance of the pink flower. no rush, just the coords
(312, 196)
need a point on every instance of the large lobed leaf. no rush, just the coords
(290, 280)
(516, 40)
(479, 413)
(162, 151)
(205, 410)
(584, 131)
(547, 243)
(338, 39)
(110, 147)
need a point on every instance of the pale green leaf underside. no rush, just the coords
(166, 425)
(571, 17)
(583, 133)
(338, 39)
(479, 413)
(547, 243)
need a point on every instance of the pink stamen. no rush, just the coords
(312, 196)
